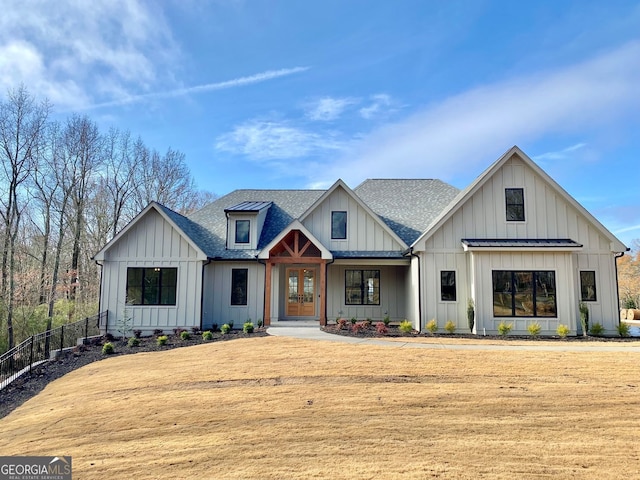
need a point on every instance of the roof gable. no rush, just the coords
(465, 195)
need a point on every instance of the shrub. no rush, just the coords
(231, 324)
(353, 320)
(184, 335)
(206, 336)
(214, 327)
(359, 327)
(596, 330)
(386, 320)
(133, 342)
(247, 327)
(534, 329)
(108, 337)
(381, 328)
(562, 331)
(260, 323)
(195, 330)
(450, 327)
(504, 328)
(405, 326)
(107, 348)
(158, 331)
(162, 340)
(342, 323)
(226, 328)
(624, 329)
(432, 326)
(137, 333)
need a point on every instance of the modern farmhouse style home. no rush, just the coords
(513, 242)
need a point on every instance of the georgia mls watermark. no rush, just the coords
(35, 468)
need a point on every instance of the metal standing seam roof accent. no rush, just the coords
(524, 242)
(249, 207)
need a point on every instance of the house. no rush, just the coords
(513, 242)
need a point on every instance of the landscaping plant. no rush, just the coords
(471, 314)
(107, 348)
(584, 317)
(534, 329)
(207, 336)
(405, 326)
(226, 328)
(381, 328)
(184, 335)
(162, 340)
(133, 342)
(247, 327)
(450, 327)
(562, 331)
(432, 326)
(624, 329)
(504, 328)
(597, 330)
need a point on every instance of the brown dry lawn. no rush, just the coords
(273, 408)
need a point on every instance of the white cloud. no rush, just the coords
(473, 127)
(327, 109)
(273, 141)
(379, 103)
(559, 154)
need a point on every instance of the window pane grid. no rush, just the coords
(239, 277)
(362, 287)
(524, 294)
(514, 200)
(151, 286)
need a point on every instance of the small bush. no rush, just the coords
(137, 333)
(624, 329)
(504, 328)
(381, 328)
(162, 340)
(359, 327)
(562, 331)
(184, 335)
(107, 349)
(534, 329)
(386, 320)
(226, 328)
(247, 327)
(214, 327)
(353, 320)
(596, 330)
(260, 323)
(108, 337)
(206, 336)
(133, 342)
(405, 326)
(158, 331)
(342, 323)
(432, 326)
(230, 324)
(195, 330)
(450, 327)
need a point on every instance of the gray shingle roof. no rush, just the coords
(407, 206)
(287, 205)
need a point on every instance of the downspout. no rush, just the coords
(615, 265)
(209, 260)
(264, 289)
(326, 288)
(410, 252)
(100, 297)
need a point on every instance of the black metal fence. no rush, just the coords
(37, 348)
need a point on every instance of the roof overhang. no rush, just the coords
(528, 245)
(295, 225)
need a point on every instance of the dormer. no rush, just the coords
(244, 224)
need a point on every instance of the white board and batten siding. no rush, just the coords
(548, 215)
(217, 306)
(364, 232)
(152, 242)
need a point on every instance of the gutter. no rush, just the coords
(106, 327)
(209, 260)
(615, 265)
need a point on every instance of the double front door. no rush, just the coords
(301, 292)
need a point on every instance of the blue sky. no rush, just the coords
(295, 94)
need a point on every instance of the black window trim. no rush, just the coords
(160, 286)
(455, 286)
(507, 205)
(243, 221)
(234, 271)
(595, 287)
(333, 212)
(513, 297)
(362, 286)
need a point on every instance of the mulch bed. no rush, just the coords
(29, 385)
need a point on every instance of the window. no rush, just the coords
(524, 294)
(362, 287)
(514, 199)
(338, 225)
(588, 286)
(151, 286)
(239, 278)
(448, 286)
(242, 231)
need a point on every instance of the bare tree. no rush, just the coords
(22, 122)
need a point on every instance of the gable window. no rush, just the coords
(448, 286)
(151, 286)
(588, 286)
(242, 231)
(338, 225)
(239, 277)
(524, 294)
(362, 287)
(514, 200)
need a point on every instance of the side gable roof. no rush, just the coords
(190, 231)
(358, 200)
(464, 195)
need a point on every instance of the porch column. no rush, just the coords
(267, 294)
(323, 292)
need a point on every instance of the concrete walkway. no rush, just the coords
(311, 331)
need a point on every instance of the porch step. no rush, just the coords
(295, 324)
